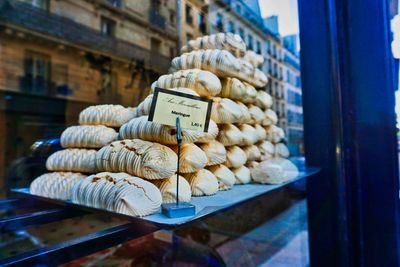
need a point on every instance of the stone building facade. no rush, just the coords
(238, 17)
(280, 63)
(294, 103)
(193, 19)
(57, 57)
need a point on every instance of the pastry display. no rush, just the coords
(262, 133)
(56, 185)
(242, 175)
(246, 116)
(274, 171)
(253, 58)
(203, 82)
(267, 150)
(226, 178)
(235, 89)
(252, 152)
(235, 157)
(281, 151)
(210, 135)
(192, 158)
(263, 100)
(202, 183)
(270, 118)
(222, 63)
(87, 136)
(224, 41)
(249, 133)
(108, 115)
(257, 115)
(275, 134)
(72, 160)
(225, 110)
(118, 192)
(138, 172)
(137, 157)
(215, 152)
(168, 189)
(291, 171)
(229, 135)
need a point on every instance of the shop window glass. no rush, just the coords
(189, 37)
(219, 22)
(241, 33)
(110, 52)
(36, 77)
(239, 9)
(115, 3)
(258, 47)
(172, 17)
(188, 14)
(44, 4)
(250, 42)
(107, 27)
(231, 27)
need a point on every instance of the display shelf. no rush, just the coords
(205, 205)
(66, 251)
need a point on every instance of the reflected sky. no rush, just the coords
(287, 14)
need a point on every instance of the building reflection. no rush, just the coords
(57, 57)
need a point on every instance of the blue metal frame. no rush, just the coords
(37, 218)
(54, 210)
(349, 122)
(79, 247)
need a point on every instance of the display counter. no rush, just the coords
(257, 203)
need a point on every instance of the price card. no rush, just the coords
(194, 111)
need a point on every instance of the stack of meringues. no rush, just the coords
(80, 143)
(134, 160)
(220, 68)
(247, 124)
(243, 143)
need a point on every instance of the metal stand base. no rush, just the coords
(182, 209)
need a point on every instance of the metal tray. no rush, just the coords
(205, 205)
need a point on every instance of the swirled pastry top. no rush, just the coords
(270, 118)
(281, 150)
(224, 41)
(118, 192)
(203, 82)
(56, 185)
(242, 175)
(87, 136)
(72, 159)
(168, 189)
(274, 171)
(202, 183)
(215, 152)
(108, 115)
(237, 90)
(263, 100)
(267, 149)
(226, 178)
(222, 63)
(137, 157)
(275, 134)
(235, 157)
(192, 158)
(253, 58)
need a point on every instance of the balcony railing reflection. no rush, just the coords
(115, 3)
(156, 19)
